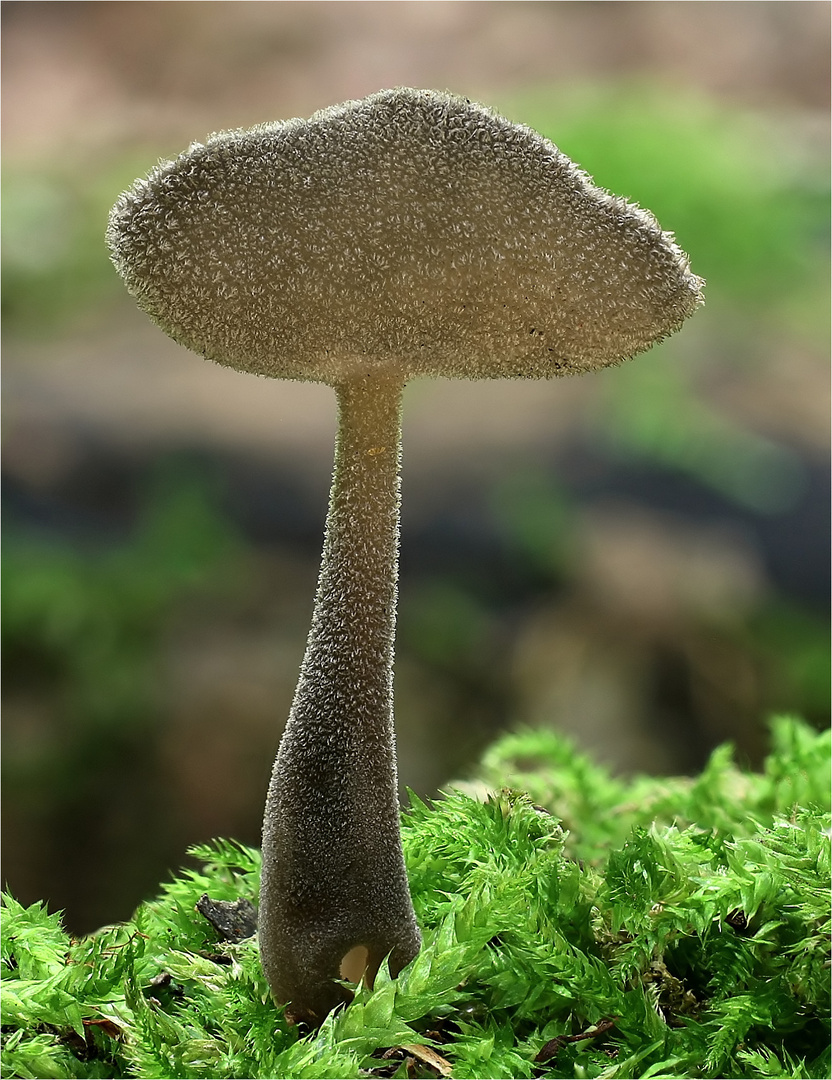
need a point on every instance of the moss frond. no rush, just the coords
(677, 928)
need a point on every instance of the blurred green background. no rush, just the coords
(639, 558)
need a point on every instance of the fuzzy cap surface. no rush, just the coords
(412, 231)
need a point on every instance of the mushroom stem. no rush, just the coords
(333, 876)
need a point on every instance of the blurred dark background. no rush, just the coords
(638, 558)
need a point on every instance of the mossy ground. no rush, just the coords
(653, 928)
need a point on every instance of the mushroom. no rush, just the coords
(408, 234)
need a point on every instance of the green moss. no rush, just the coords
(668, 928)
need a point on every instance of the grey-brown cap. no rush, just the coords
(411, 230)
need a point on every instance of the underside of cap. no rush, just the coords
(411, 232)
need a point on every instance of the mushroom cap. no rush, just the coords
(411, 232)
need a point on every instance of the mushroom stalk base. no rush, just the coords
(333, 876)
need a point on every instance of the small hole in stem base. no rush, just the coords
(354, 964)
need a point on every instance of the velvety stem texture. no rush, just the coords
(333, 874)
